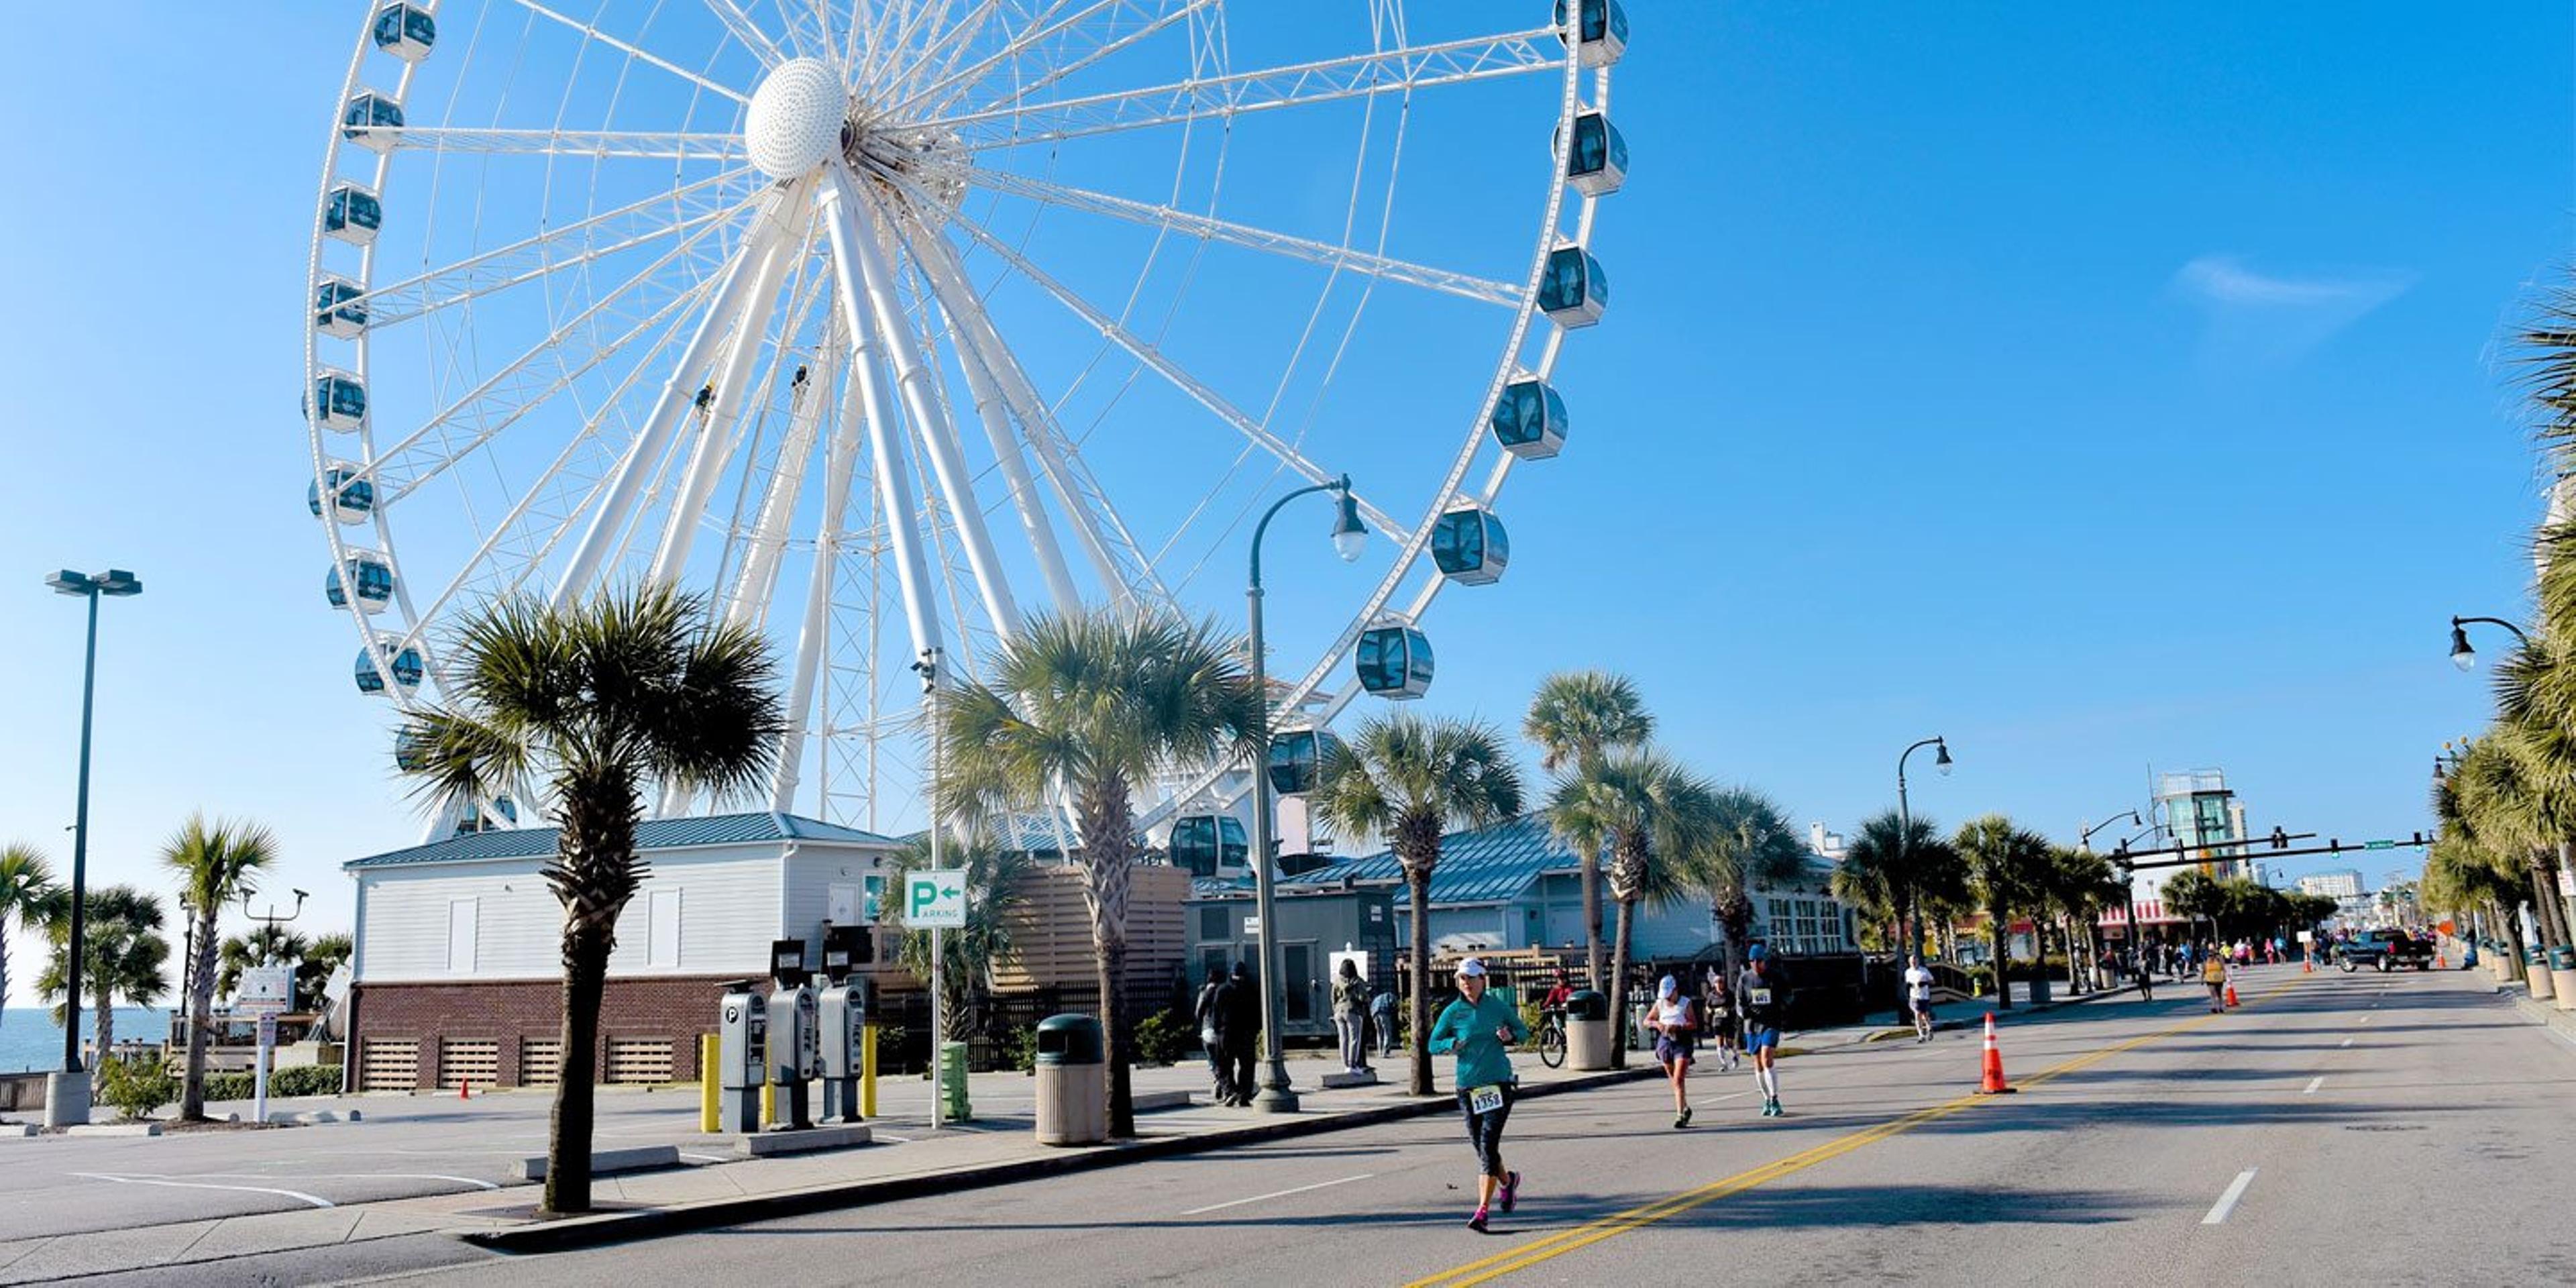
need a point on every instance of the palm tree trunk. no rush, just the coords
(1103, 817)
(585, 957)
(2003, 962)
(1592, 919)
(2544, 904)
(2512, 925)
(1113, 1018)
(200, 1004)
(1620, 1036)
(1418, 983)
(103, 1007)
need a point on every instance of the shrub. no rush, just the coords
(1023, 1050)
(136, 1087)
(1164, 1038)
(228, 1086)
(305, 1080)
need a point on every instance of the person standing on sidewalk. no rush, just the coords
(1350, 1016)
(1918, 997)
(1676, 1037)
(1763, 996)
(1476, 1027)
(1211, 1018)
(1382, 1018)
(1717, 1015)
(1242, 1031)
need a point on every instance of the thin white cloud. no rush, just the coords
(2269, 317)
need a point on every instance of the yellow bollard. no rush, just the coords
(768, 1104)
(710, 1053)
(868, 1071)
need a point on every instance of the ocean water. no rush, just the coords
(29, 1038)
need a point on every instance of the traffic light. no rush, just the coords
(2280, 839)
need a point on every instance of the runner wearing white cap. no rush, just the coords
(1676, 1030)
(1477, 1027)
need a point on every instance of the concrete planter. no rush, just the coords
(2540, 984)
(2562, 984)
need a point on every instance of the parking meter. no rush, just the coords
(841, 1014)
(742, 1055)
(795, 1057)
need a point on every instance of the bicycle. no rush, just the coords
(1551, 1039)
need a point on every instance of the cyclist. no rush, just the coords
(1477, 1027)
(1717, 1014)
(1763, 997)
(1676, 1029)
(1918, 997)
(1558, 993)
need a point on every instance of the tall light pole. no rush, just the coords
(67, 1093)
(2466, 658)
(1905, 839)
(2128, 882)
(1349, 536)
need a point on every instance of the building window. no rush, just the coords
(868, 912)
(463, 918)
(1216, 923)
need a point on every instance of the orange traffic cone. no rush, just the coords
(1994, 1084)
(2441, 962)
(465, 1089)
(2231, 995)
(2307, 965)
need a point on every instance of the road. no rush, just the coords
(2384, 1129)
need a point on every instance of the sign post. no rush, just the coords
(934, 899)
(265, 991)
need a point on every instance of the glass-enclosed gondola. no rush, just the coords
(1600, 31)
(1529, 420)
(1297, 759)
(366, 109)
(407, 668)
(1598, 162)
(1470, 546)
(338, 401)
(371, 576)
(1394, 662)
(411, 750)
(1575, 290)
(352, 214)
(353, 498)
(1204, 843)
(406, 31)
(337, 310)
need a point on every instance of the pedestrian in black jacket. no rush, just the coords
(1210, 1014)
(1242, 1004)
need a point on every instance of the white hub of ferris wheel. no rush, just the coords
(880, 323)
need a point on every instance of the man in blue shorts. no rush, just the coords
(1763, 998)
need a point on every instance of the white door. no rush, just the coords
(843, 906)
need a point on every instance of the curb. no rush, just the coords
(2545, 1014)
(645, 1223)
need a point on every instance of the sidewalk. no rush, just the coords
(711, 1188)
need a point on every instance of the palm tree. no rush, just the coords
(1752, 847)
(267, 944)
(605, 700)
(2195, 894)
(2007, 864)
(1088, 705)
(122, 955)
(216, 863)
(1654, 816)
(2082, 885)
(1412, 778)
(1890, 869)
(1576, 718)
(999, 879)
(315, 965)
(26, 890)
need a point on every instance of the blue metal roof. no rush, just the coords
(1487, 865)
(652, 834)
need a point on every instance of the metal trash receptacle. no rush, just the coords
(1073, 1081)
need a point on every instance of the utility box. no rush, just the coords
(1587, 1031)
(742, 1055)
(1073, 1082)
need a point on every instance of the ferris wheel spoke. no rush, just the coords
(593, 33)
(747, 602)
(947, 49)
(1344, 258)
(900, 39)
(993, 414)
(1198, 391)
(813, 645)
(748, 32)
(644, 145)
(689, 209)
(1240, 93)
(1108, 25)
(716, 430)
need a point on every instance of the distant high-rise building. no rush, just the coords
(2345, 884)
(2193, 809)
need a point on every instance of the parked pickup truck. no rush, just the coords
(2384, 950)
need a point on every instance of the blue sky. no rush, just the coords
(2101, 387)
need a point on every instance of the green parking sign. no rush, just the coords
(935, 899)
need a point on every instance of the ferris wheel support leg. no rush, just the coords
(813, 651)
(748, 603)
(1034, 522)
(894, 479)
(686, 375)
(930, 417)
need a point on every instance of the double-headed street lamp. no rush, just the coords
(1349, 537)
(2466, 658)
(115, 581)
(1905, 832)
(2128, 877)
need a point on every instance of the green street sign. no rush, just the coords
(2380, 845)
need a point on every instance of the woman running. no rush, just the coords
(1477, 1027)
(1675, 1029)
(1717, 1015)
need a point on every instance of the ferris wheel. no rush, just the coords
(884, 324)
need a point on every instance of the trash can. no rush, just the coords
(1587, 1031)
(1073, 1082)
(2562, 976)
(952, 1083)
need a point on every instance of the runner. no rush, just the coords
(1763, 997)
(2213, 972)
(1675, 1029)
(2146, 977)
(1477, 1027)
(1717, 1012)
(1918, 997)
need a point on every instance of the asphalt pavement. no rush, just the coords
(2378, 1129)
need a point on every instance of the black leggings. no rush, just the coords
(1485, 1132)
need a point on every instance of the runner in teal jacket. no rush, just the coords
(1476, 1028)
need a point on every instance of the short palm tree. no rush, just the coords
(26, 891)
(999, 880)
(1089, 705)
(122, 955)
(264, 945)
(316, 964)
(2081, 885)
(602, 700)
(1576, 718)
(1752, 847)
(2192, 895)
(1411, 778)
(216, 863)
(1654, 817)
(1897, 870)
(2009, 865)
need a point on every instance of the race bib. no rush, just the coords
(1761, 996)
(1484, 1100)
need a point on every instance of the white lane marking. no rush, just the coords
(2345, 1043)
(2227, 1202)
(900, 1140)
(1278, 1194)
(2365, 1019)
(186, 1185)
(2313, 1084)
(347, 1176)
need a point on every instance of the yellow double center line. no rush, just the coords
(1592, 1232)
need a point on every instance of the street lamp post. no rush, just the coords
(67, 1092)
(1349, 535)
(2466, 658)
(1905, 839)
(2128, 883)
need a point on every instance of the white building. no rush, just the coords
(2345, 884)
